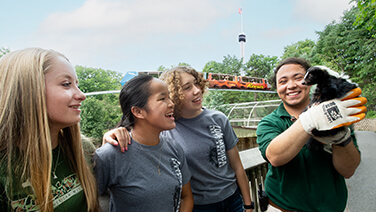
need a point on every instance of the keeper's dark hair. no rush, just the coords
(291, 60)
(135, 92)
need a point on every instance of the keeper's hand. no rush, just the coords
(343, 137)
(334, 113)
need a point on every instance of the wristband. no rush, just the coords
(345, 143)
(251, 206)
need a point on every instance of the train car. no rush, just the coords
(245, 82)
(221, 80)
(227, 81)
(216, 80)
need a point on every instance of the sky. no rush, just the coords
(137, 35)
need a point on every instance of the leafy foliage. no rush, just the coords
(303, 49)
(92, 79)
(3, 51)
(366, 17)
(351, 49)
(99, 112)
(257, 66)
(261, 66)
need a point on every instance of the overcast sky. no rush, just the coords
(130, 35)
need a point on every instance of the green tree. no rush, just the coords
(301, 49)
(212, 67)
(350, 48)
(366, 16)
(305, 49)
(257, 66)
(229, 65)
(99, 112)
(232, 65)
(161, 68)
(92, 124)
(3, 51)
(93, 79)
(261, 66)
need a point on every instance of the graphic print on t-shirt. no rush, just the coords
(62, 191)
(175, 164)
(217, 153)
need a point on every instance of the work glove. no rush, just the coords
(341, 138)
(335, 113)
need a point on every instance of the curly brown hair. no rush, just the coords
(172, 79)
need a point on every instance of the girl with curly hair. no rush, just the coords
(218, 178)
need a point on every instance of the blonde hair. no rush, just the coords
(172, 78)
(25, 141)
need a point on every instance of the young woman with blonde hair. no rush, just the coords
(42, 165)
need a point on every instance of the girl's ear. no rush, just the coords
(137, 112)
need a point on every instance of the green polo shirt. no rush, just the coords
(309, 182)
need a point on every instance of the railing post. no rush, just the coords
(256, 168)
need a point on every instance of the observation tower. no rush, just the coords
(242, 40)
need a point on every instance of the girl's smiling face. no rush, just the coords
(192, 102)
(159, 108)
(63, 96)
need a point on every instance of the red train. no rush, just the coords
(223, 81)
(227, 81)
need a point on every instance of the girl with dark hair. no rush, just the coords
(153, 174)
(219, 182)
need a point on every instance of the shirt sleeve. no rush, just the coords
(184, 168)
(229, 135)
(101, 168)
(266, 131)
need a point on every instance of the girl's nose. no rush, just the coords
(197, 89)
(80, 95)
(171, 104)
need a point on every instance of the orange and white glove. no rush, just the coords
(341, 138)
(335, 113)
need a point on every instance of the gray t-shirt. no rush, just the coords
(133, 180)
(205, 140)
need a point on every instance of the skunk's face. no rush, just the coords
(314, 75)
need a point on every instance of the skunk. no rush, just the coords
(330, 85)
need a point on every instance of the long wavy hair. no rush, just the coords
(172, 78)
(25, 141)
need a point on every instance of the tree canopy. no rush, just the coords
(99, 112)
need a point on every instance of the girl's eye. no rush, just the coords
(67, 84)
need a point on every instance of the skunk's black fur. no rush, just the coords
(328, 87)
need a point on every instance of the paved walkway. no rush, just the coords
(362, 185)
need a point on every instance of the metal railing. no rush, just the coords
(255, 167)
(247, 114)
